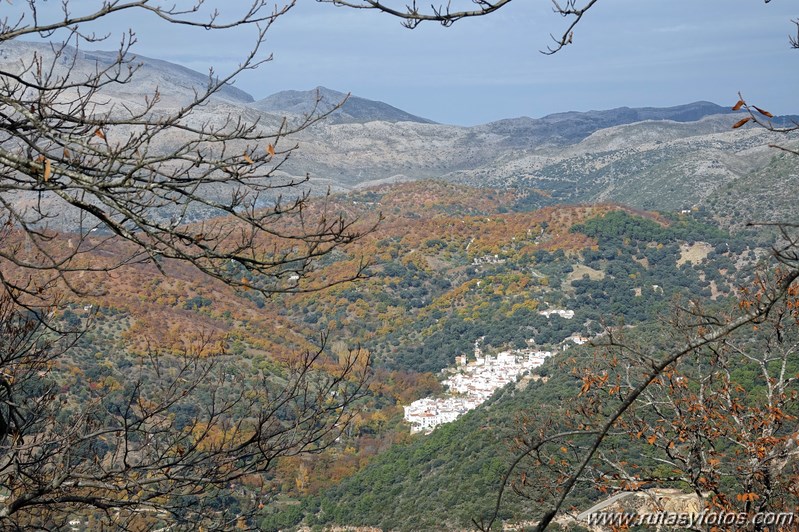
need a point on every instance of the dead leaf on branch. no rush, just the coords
(763, 111)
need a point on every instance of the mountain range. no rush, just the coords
(656, 158)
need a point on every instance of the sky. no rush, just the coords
(626, 53)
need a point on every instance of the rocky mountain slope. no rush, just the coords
(652, 164)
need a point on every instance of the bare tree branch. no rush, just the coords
(412, 15)
(142, 173)
(576, 14)
(91, 181)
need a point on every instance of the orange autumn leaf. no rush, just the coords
(741, 122)
(746, 497)
(270, 150)
(738, 105)
(586, 386)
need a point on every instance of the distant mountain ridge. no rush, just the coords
(690, 112)
(570, 127)
(563, 127)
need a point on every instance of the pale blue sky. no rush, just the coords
(625, 53)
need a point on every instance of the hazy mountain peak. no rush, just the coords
(173, 81)
(354, 110)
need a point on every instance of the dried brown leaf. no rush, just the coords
(763, 112)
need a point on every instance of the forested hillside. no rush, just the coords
(448, 265)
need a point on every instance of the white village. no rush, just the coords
(471, 384)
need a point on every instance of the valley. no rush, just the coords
(448, 267)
